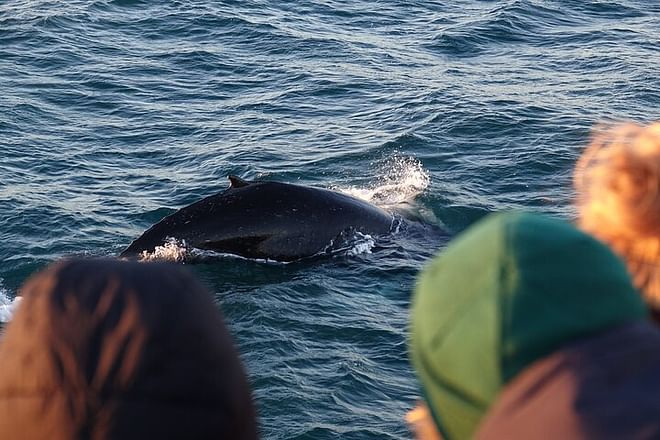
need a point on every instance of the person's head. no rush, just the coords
(111, 349)
(617, 181)
(510, 290)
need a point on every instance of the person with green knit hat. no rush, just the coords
(526, 327)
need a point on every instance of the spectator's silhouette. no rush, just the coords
(102, 349)
(527, 328)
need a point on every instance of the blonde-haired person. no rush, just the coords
(617, 181)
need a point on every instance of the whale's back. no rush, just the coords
(269, 220)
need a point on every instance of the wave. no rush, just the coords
(172, 250)
(7, 305)
(350, 243)
(402, 180)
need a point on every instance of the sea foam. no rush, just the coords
(7, 304)
(402, 180)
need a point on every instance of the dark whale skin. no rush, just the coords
(265, 220)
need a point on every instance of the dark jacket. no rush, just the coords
(102, 349)
(604, 387)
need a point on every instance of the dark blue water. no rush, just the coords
(115, 113)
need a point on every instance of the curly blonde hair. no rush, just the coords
(617, 180)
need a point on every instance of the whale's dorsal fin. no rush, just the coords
(237, 182)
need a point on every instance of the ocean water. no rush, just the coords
(115, 113)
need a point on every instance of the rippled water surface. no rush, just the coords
(115, 113)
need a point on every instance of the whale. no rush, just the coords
(266, 220)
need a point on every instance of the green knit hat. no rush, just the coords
(510, 290)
